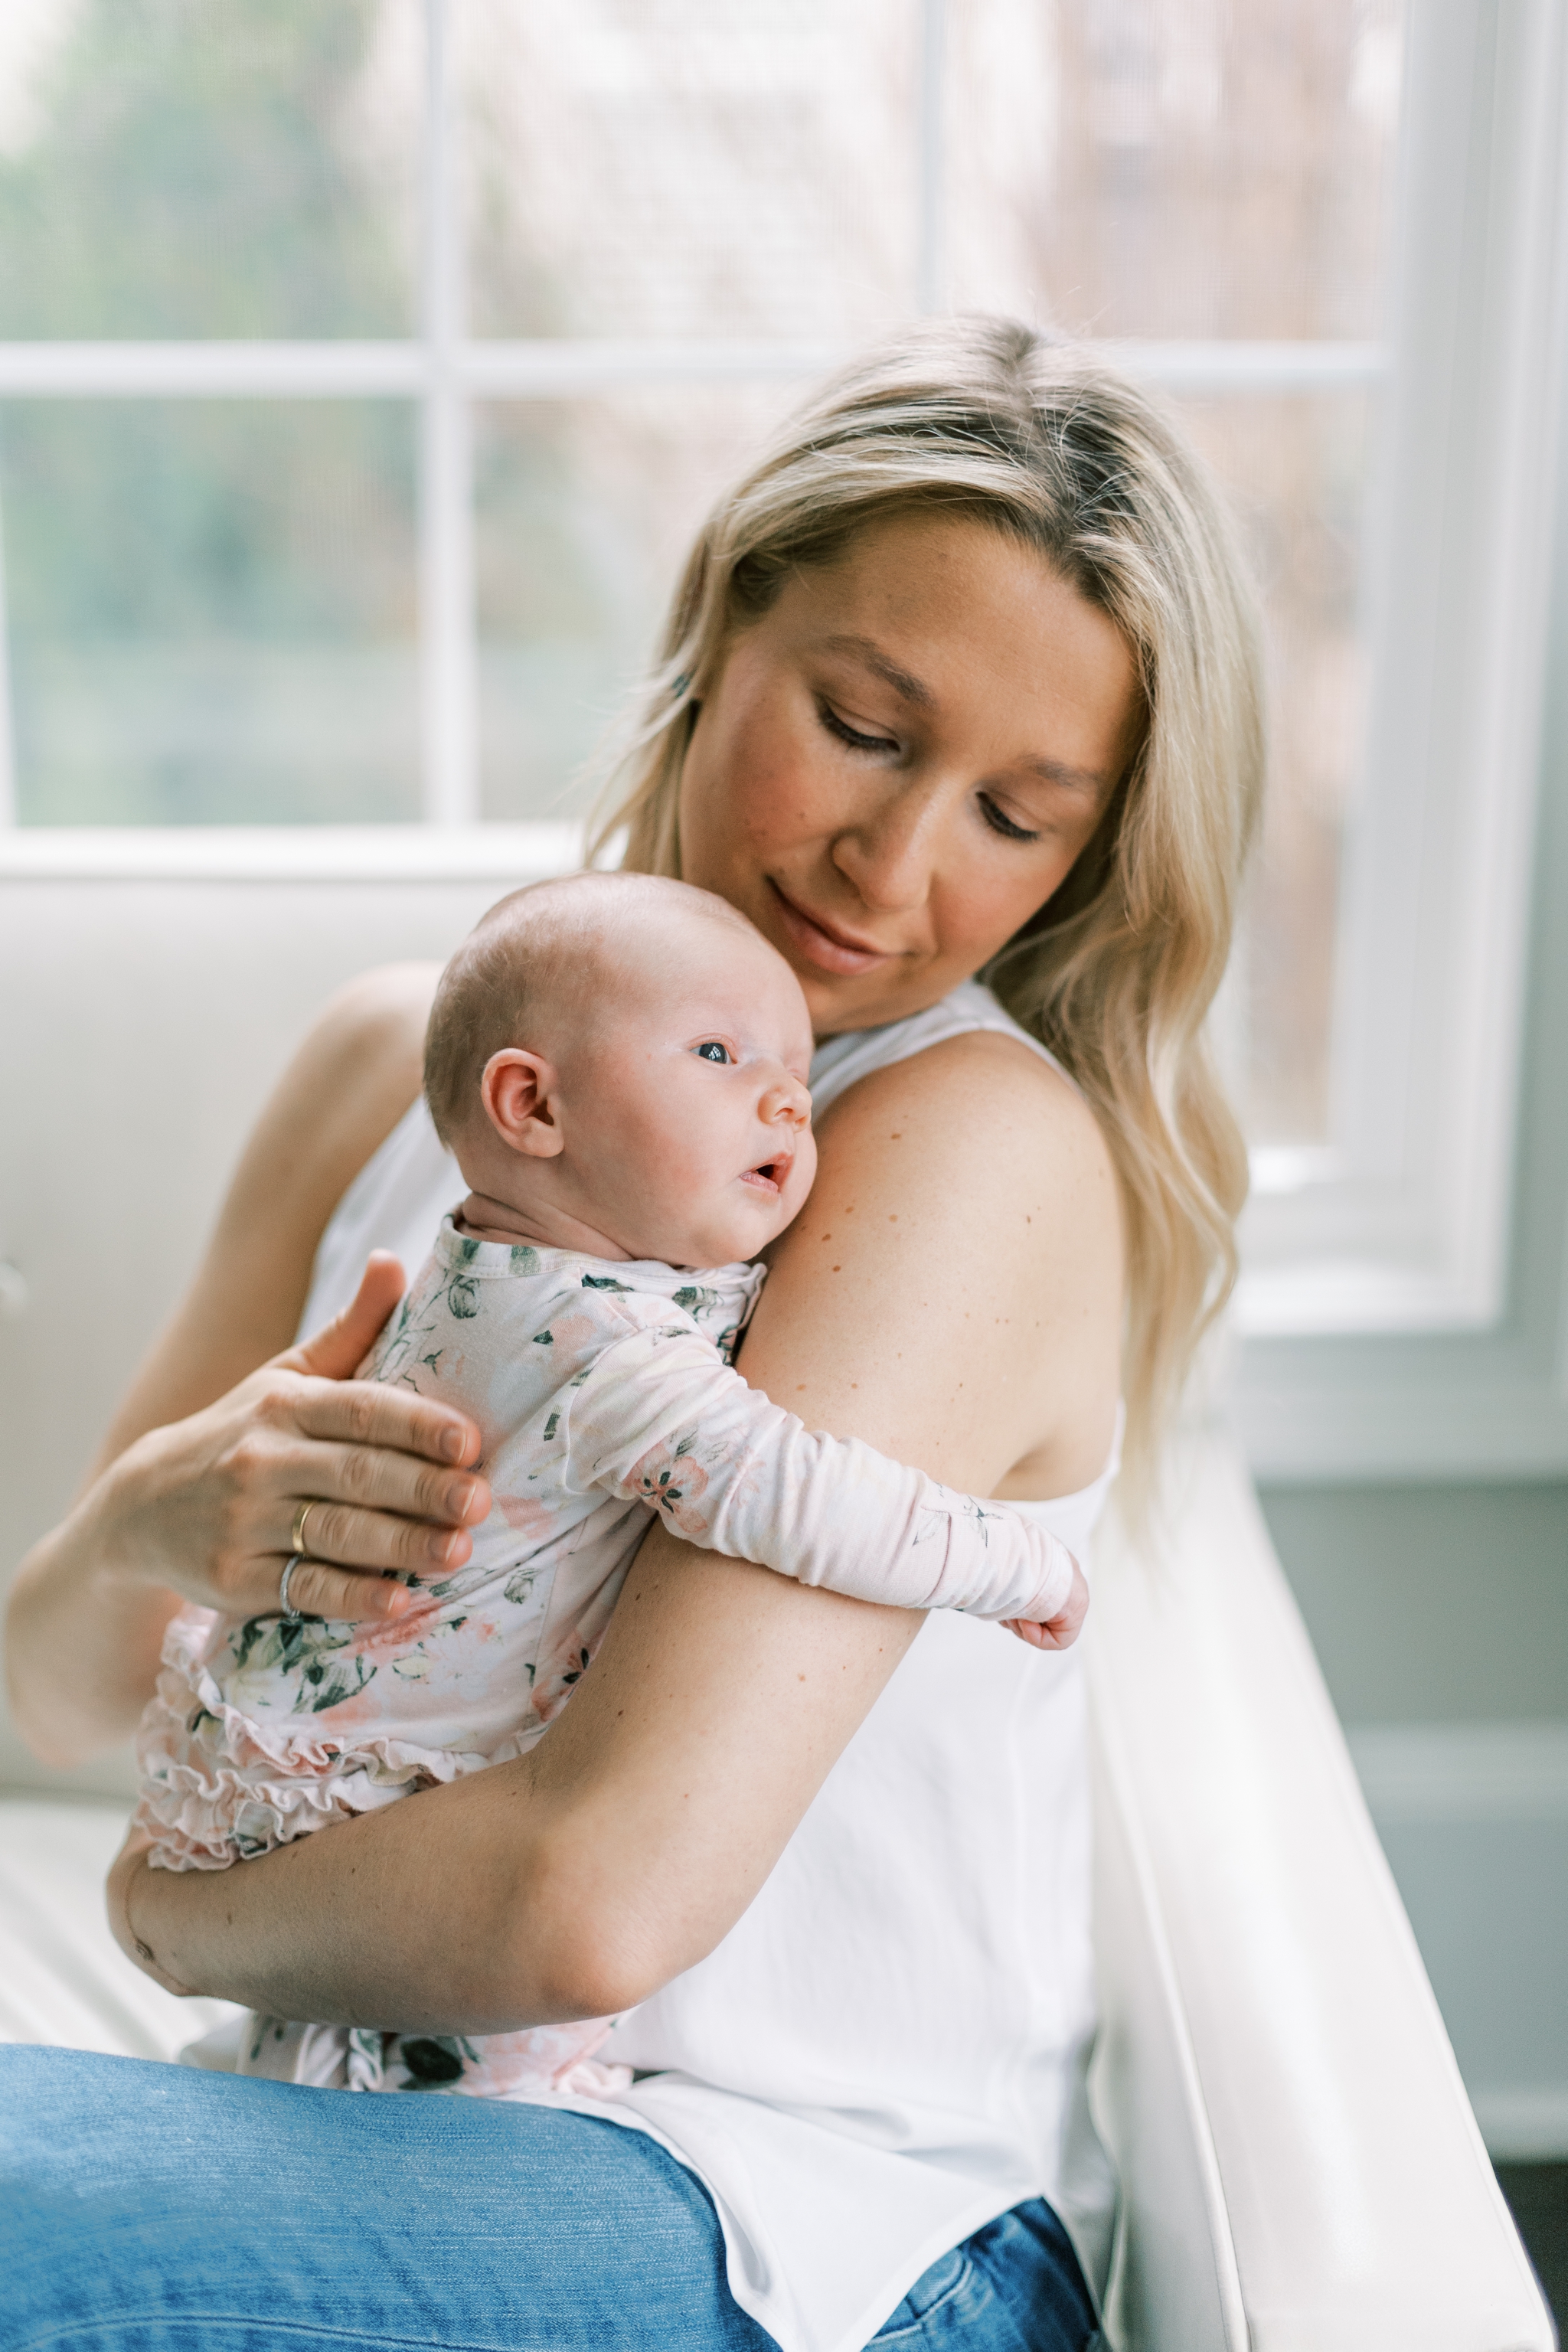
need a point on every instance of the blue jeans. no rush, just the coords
(152, 2208)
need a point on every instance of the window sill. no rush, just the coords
(328, 852)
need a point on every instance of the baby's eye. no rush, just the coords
(712, 1050)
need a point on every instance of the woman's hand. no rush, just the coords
(203, 1509)
(206, 1507)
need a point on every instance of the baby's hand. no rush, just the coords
(1060, 1631)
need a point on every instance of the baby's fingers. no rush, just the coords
(1061, 1630)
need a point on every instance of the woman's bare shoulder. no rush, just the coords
(984, 1109)
(952, 1289)
(354, 1074)
(358, 1066)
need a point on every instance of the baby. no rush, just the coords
(619, 1065)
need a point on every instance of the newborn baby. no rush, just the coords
(619, 1065)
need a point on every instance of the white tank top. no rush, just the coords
(889, 2048)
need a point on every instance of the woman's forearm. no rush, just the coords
(575, 1881)
(83, 1635)
(413, 1918)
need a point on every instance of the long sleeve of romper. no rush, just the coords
(659, 1419)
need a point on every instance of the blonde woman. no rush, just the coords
(958, 701)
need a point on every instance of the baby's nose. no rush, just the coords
(786, 1099)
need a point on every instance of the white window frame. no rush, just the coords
(1404, 1226)
(1403, 1302)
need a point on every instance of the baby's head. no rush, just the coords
(619, 1063)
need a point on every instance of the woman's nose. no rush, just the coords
(888, 857)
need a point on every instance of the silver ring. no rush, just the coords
(284, 1604)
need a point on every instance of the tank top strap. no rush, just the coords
(839, 1062)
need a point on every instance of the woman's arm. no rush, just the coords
(952, 1293)
(196, 1484)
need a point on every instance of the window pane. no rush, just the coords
(1174, 167)
(1297, 467)
(691, 167)
(212, 611)
(586, 509)
(233, 169)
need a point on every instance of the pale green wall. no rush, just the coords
(1431, 1605)
(1436, 1605)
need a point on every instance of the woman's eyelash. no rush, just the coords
(998, 821)
(852, 735)
(1003, 825)
(712, 1050)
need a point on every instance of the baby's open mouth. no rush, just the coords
(768, 1175)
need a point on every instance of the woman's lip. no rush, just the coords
(821, 944)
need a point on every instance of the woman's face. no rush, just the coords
(901, 760)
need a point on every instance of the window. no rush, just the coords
(365, 364)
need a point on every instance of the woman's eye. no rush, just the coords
(1001, 823)
(852, 735)
(712, 1050)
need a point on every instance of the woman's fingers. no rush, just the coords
(382, 1467)
(337, 1352)
(384, 1540)
(371, 1414)
(343, 1464)
(318, 1589)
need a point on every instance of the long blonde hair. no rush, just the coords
(1039, 438)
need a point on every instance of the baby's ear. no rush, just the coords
(517, 1090)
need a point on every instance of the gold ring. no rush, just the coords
(296, 1534)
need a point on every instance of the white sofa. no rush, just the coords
(1301, 2167)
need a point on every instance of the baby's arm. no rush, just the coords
(660, 1418)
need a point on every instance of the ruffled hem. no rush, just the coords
(218, 1785)
(542, 2066)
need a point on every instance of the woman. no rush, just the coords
(963, 679)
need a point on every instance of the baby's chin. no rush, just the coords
(731, 1240)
